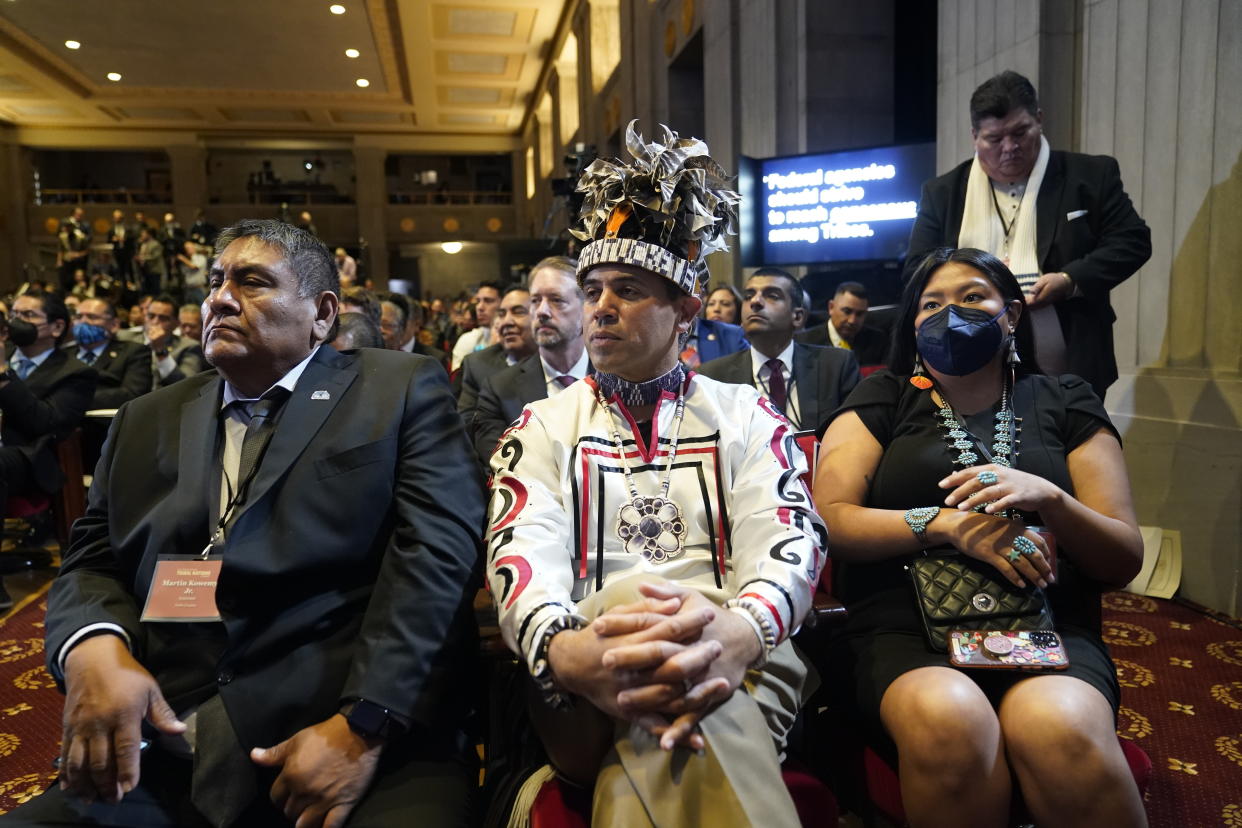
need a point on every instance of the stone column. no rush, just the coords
(371, 193)
(188, 165)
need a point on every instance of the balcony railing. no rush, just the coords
(114, 196)
(433, 198)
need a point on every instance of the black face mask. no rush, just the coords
(22, 333)
(959, 341)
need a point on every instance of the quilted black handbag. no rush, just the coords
(954, 591)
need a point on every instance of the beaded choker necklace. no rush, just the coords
(1005, 438)
(640, 393)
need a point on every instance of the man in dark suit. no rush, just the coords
(517, 342)
(400, 319)
(326, 500)
(807, 382)
(846, 328)
(43, 394)
(1085, 240)
(556, 304)
(173, 357)
(124, 368)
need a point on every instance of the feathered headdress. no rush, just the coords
(664, 213)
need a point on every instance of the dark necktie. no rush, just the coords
(565, 380)
(223, 781)
(776, 383)
(88, 358)
(24, 367)
(258, 435)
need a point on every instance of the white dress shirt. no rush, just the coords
(578, 371)
(760, 372)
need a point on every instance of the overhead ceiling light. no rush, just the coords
(451, 248)
(352, 53)
(114, 76)
(336, 8)
(363, 82)
(72, 44)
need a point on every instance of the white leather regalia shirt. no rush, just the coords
(752, 532)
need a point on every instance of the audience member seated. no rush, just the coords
(806, 383)
(925, 456)
(43, 394)
(486, 300)
(656, 643)
(517, 342)
(190, 321)
(556, 305)
(173, 357)
(356, 330)
(362, 300)
(124, 368)
(400, 318)
(724, 304)
(846, 328)
(335, 640)
(710, 339)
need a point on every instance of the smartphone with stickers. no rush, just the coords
(1036, 650)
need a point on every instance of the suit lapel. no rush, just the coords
(806, 380)
(302, 418)
(196, 460)
(532, 385)
(738, 369)
(1047, 205)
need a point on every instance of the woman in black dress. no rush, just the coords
(964, 738)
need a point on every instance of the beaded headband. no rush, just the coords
(665, 213)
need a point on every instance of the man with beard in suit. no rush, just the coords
(806, 382)
(846, 328)
(290, 665)
(43, 394)
(556, 303)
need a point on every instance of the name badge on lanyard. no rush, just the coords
(183, 589)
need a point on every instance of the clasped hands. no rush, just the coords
(324, 769)
(663, 662)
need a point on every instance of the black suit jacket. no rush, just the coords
(475, 369)
(1099, 249)
(823, 377)
(43, 408)
(185, 352)
(870, 346)
(349, 571)
(501, 400)
(124, 370)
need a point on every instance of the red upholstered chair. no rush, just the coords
(66, 505)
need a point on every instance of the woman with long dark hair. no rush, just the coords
(961, 445)
(724, 304)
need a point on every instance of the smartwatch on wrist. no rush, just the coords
(372, 720)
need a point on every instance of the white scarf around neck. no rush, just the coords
(982, 228)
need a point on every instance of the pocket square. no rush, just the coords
(1073, 214)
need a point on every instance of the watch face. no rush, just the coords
(368, 718)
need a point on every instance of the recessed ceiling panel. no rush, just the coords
(473, 118)
(13, 85)
(492, 66)
(489, 22)
(277, 45)
(474, 96)
(43, 111)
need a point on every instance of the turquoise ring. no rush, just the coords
(987, 478)
(1022, 545)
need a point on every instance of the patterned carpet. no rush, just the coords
(1180, 670)
(1181, 701)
